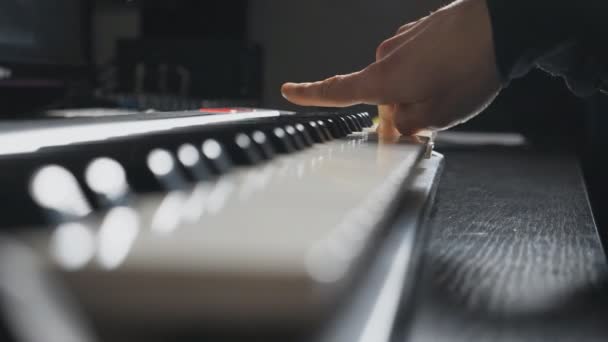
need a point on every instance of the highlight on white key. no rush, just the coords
(117, 234)
(72, 245)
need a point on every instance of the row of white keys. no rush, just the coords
(294, 216)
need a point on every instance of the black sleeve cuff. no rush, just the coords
(525, 30)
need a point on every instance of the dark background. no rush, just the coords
(27, 34)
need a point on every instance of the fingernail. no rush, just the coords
(285, 85)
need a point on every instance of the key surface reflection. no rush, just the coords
(54, 187)
(73, 245)
(117, 233)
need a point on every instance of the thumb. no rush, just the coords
(337, 91)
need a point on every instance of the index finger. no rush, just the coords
(337, 91)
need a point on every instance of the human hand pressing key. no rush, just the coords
(435, 73)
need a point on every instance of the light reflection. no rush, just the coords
(106, 176)
(285, 170)
(317, 135)
(302, 130)
(218, 197)
(54, 187)
(290, 130)
(323, 266)
(248, 187)
(330, 153)
(188, 155)
(117, 233)
(194, 207)
(166, 218)
(279, 132)
(347, 241)
(300, 170)
(262, 141)
(161, 162)
(259, 137)
(212, 149)
(243, 141)
(72, 245)
(264, 176)
(313, 164)
(256, 180)
(34, 139)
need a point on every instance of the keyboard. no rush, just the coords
(172, 219)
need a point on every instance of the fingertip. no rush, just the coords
(299, 93)
(337, 91)
(289, 89)
(288, 85)
(408, 120)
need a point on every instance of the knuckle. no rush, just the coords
(408, 26)
(404, 28)
(381, 51)
(328, 86)
(384, 49)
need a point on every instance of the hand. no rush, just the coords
(434, 73)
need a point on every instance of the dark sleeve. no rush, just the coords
(564, 37)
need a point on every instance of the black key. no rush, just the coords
(280, 140)
(107, 180)
(346, 125)
(164, 167)
(190, 158)
(370, 119)
(325, 130)
(217, 156)
(247, 149)
(261, 139)
(335, 129)
(295, 137)
(366, 119)
(304, 134)
(360, 120)
(315, 132)
(355, 124)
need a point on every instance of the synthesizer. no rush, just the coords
(243, 216)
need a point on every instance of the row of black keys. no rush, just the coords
(165, 161)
